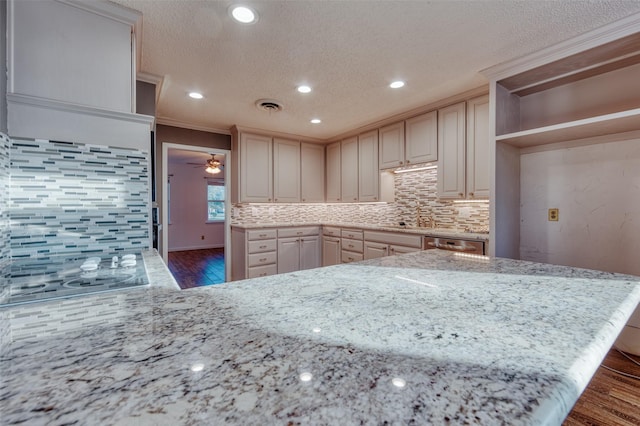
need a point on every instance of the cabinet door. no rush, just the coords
(256, 168)
(288, 254)
(422, 138)
(286, 171)
(392, 146)
(368, 167)
(310, 252)
(349, 170)
(478, 147)
(311, 173)
(375, 250)
(330, 251)
(333, 173)
(451, 151)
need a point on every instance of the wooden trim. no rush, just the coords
(184, 125)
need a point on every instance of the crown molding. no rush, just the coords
(602, 35)
(107, 9)
(16, 98)
(182, 124)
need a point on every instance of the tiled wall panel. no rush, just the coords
(4, 198)
(77, 198)
(410, 188)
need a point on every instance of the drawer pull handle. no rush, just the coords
(350, 258)
(263, 246)
(263, 235)
(264, 274)
(264, 259)
(299, 233)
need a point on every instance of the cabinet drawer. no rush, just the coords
(400, 239)
(401, 249)
(258, 259)
(349, 256)
(261, 246)
(330, 230)
(262, 271)
(261, 234)
(352, 233)
(298, 232)
(352, 245)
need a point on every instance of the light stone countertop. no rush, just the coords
(432, 232)
(474, 340)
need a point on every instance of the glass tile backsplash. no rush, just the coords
(76, 198)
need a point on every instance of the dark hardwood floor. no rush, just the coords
(609, 400)
(197, 268)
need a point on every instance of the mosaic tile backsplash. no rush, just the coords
(410, 188)
(76, 198)
(4, 198)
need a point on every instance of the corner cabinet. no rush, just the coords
(286, 171)
(312, 169)
(252, 158)
(349, 170)
(368, 172)
(451, 149)
(333, 173)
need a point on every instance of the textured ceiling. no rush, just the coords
(348, 51)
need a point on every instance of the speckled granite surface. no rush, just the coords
(475, 341)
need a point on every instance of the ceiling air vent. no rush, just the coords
(269, 105)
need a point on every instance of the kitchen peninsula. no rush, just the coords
(431, 337)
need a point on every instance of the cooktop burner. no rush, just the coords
(32, 280)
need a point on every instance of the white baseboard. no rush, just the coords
(196, 247)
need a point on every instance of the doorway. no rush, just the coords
(196, 209)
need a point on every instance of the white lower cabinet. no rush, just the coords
(351, 245)
(253, 253)
(298, 249)
(330, 251)
(380, 244)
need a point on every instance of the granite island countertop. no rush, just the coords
(428, 337)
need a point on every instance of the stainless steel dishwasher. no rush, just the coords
(454, 244)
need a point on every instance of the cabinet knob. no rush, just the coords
(304, 199)
(355, 199)
(460, 194)
(400, 162)
(471, 194)
(408, 161)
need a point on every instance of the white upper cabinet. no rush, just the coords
(312, 172)
(451, 148)
(368, 168)
(478, 149)
(392, 146)
(422, 138)
(333, 173)
(349, 170)
(252, 157)
(286, 171)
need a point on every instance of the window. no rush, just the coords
(215, 201)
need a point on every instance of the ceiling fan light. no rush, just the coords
(212, 170)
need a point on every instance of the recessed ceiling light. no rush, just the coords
(304, 89)
(195, 95)
(244, 14)
(316, 121)
(397, 84)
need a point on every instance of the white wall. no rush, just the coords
(597, 189)
(189, 211)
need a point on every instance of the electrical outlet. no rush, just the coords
(553, 215)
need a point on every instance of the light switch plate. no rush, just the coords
(553, 215)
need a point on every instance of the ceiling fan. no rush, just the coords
(212, 165)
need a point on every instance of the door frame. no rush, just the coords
(166, 146)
